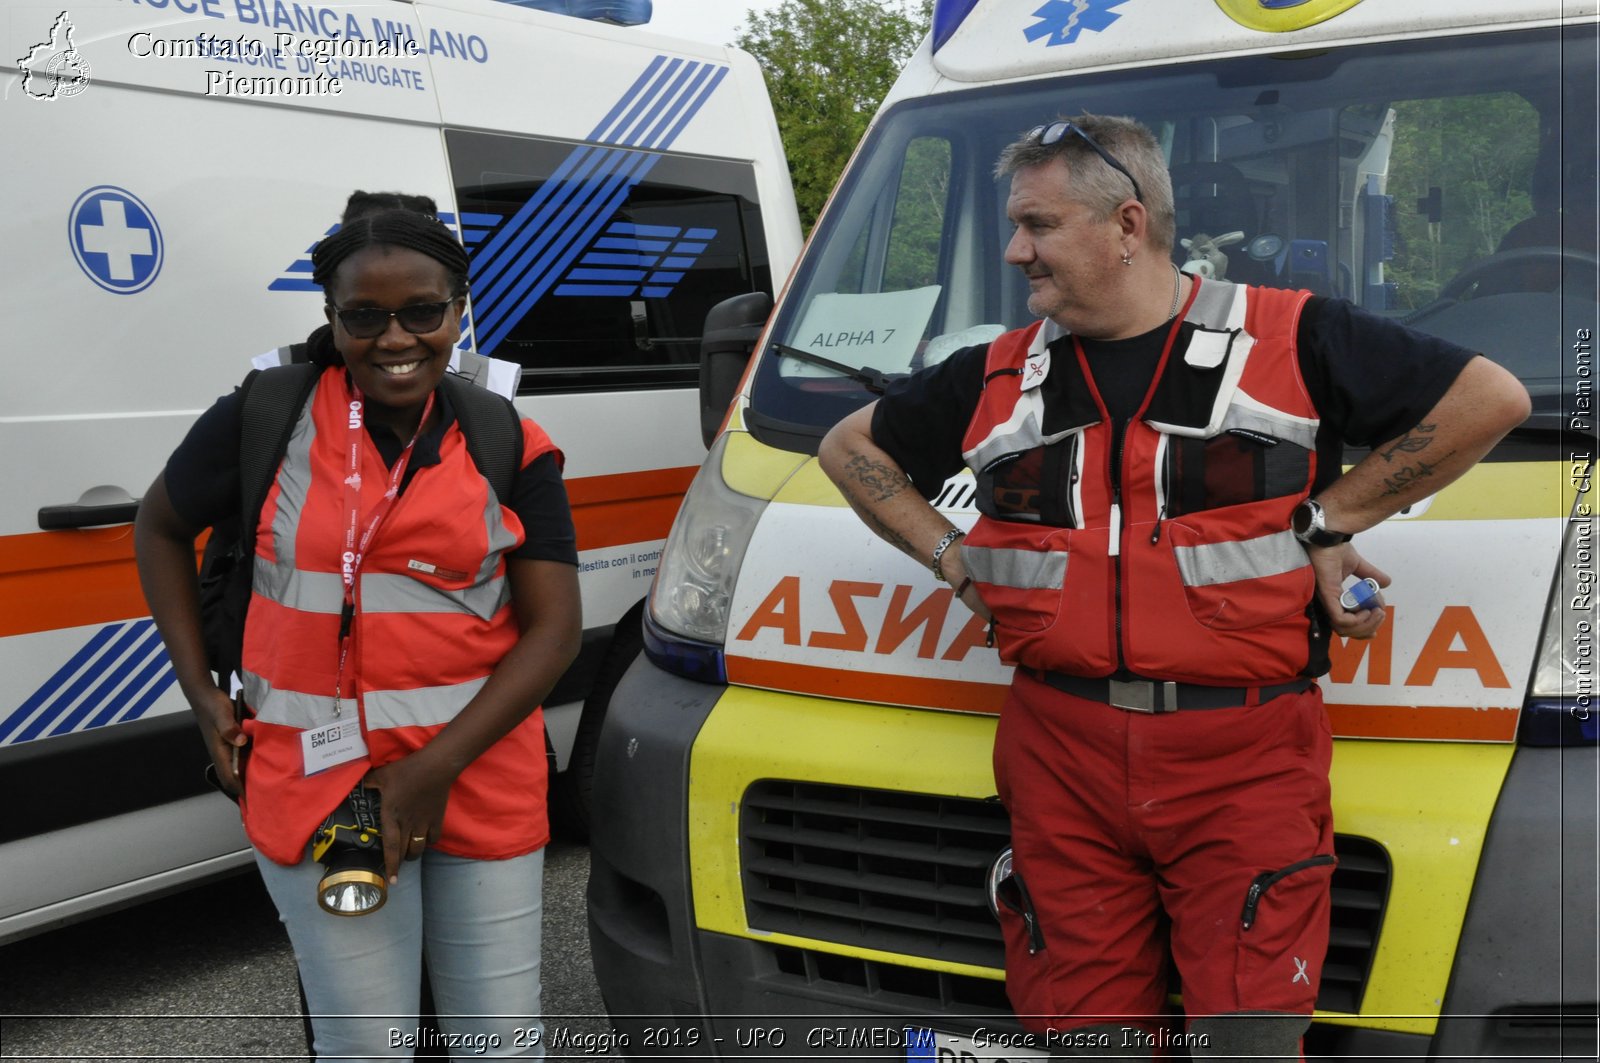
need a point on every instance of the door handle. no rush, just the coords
(95, 507)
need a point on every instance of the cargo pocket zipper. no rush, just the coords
(1264, 881)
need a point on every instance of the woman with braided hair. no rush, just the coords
(404, 626)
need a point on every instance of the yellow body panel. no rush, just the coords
(1428, 804)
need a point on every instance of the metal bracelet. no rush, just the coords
(938, 552)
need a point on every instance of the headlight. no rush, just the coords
(1561, 708)
(700, 563)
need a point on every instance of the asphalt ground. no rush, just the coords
(208, 974)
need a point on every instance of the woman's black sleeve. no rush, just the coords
(202, 475)
(539, 499)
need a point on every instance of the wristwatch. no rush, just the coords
(1308, 524)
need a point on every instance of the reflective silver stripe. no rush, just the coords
(1213, 306)
(1247, 414)
(425, 707)
(307, 592)
(384, 593)
(498, 536)
(1019, 432)
(286, 708)
(1022, 569)
(294, 483)
(422, 707)
(1212, 563)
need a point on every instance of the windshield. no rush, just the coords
(1449, 184)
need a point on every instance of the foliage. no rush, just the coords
(1478, 151)
(828, 64)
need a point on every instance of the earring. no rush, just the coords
(1127, 259)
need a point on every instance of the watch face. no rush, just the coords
(1302, 519)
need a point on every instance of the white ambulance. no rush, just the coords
(167, 166)
(795, 791)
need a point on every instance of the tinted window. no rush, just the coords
(1446, 183)
(594, 266)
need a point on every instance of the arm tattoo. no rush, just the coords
(1412, 442)
(881, 482)
(888, 534)
(1404, 480)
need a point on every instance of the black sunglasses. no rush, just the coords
(369, 322)
(1045, 135)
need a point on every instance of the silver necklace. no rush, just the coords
(1177, 286)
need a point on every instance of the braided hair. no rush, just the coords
(392, 228)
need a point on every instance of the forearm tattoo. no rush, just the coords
(1408, 478)
(1405, 480)
(1412, 442)
(869, 482)
(879, 482)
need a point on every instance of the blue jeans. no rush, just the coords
(479, 922)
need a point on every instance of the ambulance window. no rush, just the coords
(593, 266)
(1462, 173)
(904, 253)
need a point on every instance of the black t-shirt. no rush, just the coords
(202, 478)
(1370, 378)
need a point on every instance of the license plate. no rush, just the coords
(924, 1045)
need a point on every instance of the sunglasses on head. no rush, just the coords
(1045, 135)
(369, 322)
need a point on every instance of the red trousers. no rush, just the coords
(1129, 829)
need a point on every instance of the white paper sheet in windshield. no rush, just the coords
(877, 330)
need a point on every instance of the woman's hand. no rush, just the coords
(224, 739)
(164, 548)
(414, 792)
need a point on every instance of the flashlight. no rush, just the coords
(350, 849)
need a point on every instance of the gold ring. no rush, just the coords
(419, 837)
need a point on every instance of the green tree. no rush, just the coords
(828, 64)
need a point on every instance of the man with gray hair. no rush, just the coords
(1163, 539)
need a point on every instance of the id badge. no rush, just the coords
(332, 744)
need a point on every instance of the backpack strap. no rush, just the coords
(493, 430)
(273, 399)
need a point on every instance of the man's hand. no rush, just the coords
(1332, 566)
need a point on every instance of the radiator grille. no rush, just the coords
(904, 873)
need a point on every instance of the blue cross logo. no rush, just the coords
(115, 239)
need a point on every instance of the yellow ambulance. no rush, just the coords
(794, 791)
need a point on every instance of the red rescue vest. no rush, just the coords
(432, 620)
(1187, 571)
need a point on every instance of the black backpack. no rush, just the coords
(273, 399)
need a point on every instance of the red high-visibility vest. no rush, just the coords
(1189, 572)
(432, 619)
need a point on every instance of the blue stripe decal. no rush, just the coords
(51, 685)
(63, 701)
(581, 229)
(598, 132)
(118, 675)
(623, 290)
(115, 710)
(534, 248)
(131, 657)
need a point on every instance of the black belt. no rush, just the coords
(1152, 695)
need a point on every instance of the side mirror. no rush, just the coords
(726, 343)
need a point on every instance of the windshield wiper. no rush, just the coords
(869, 378)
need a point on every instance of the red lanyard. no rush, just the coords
(354, 551)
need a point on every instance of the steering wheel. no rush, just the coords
(1504, 263)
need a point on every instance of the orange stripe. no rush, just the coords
(627, 507)
(1443, 723)
(1433, 722)
(848, 685)
(64, 579)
